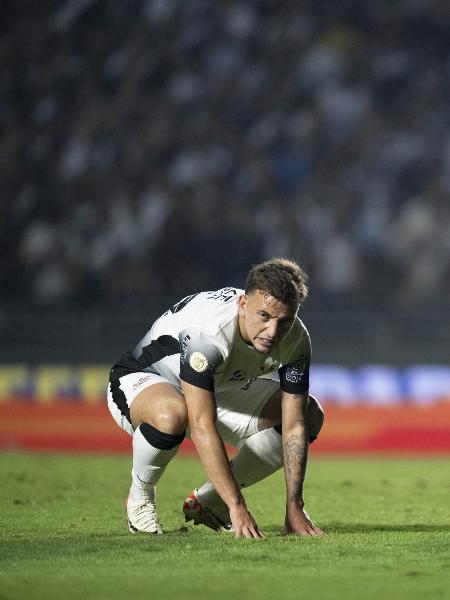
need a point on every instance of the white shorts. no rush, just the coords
(238, 410)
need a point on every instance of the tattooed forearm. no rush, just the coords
(295, 458)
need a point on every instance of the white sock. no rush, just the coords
(149, 464)
(259, 456)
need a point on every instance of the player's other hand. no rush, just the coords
(298, 522)
(243, 522)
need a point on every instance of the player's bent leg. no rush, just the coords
(162, 406)
(315, 418)
(213, 514)
(260, 455)
(159, 416)
(270, 415)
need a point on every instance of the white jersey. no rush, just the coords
(198, 341)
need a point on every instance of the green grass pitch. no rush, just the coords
(63, 534)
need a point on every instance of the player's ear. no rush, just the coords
(242, 303)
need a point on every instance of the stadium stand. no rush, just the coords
(144, 143)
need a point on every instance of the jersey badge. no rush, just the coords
(198, 362)
(295, 372)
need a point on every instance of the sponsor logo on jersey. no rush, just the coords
(239, 375)
(198, 362)
(184, 347)
(252, 379)
(140, 381)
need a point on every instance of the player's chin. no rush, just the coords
(262, 347)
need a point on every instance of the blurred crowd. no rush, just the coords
(163, 146)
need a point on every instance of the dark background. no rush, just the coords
(152, 149)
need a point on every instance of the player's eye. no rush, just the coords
(264, 316)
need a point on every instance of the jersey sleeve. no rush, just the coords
(200, 357)
(294, 374)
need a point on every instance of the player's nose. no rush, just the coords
(271, 329)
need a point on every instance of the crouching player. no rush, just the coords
(228, 366)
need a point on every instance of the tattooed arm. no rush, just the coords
(295, 451)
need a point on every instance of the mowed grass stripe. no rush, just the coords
(63, 533)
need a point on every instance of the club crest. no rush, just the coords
(198, 362)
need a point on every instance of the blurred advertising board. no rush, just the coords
(374, 385)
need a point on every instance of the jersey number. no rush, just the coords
(182, 303)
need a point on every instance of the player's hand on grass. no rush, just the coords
(243, 522)
(298, 522)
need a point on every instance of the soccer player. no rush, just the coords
(227, 366)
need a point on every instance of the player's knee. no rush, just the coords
(171, 419)
(316, 416)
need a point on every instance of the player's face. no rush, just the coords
(263, 320)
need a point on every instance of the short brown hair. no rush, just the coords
(281, 278)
